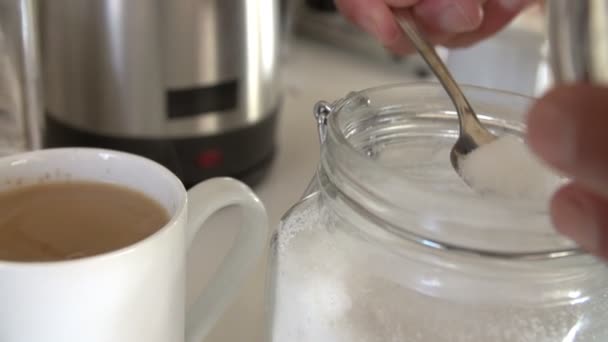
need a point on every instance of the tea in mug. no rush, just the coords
(57, 221)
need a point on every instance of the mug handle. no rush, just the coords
(204, 200)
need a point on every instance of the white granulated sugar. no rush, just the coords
(506, 167)
(296, 223)
(332, 286)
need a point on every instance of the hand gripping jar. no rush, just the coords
(389, 244)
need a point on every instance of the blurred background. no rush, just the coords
(512, 60)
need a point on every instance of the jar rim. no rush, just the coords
(382, 204)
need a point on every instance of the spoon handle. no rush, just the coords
(466, 115)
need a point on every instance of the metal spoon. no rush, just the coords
(472, 132)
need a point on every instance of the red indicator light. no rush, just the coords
(210, 158)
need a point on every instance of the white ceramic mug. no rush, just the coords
(135, 294)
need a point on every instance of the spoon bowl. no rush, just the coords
(469, 139)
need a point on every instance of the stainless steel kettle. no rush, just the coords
(578, 40)
(189, 83)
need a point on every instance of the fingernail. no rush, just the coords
(575, 219)
(552, 134)
(452, 18)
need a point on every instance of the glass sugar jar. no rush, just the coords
(389, 244)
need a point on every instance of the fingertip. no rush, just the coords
(450, 16)
(496, 15)
(573, 215)
(535, 120)
(551, 130)
(373, 16)
(379, 20)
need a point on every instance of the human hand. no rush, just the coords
(451, 23)
(568, 128)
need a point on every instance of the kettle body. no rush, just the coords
(191, 84)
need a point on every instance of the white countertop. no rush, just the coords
(313, 72)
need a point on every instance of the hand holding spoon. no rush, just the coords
(472, 133)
